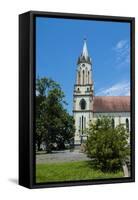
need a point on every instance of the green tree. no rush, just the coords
(60, 125)
(53, 123)
(107, 146)
(43, 85)
(66, 130)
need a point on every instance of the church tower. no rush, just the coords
(83, 96)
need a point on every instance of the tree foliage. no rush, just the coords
(53, 123)
(108, 146)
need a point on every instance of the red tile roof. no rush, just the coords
(111, 104)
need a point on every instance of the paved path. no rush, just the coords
(61, 156)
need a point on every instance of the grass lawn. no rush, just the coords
(69, 171)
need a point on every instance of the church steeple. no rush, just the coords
(84, 57)
(84, 68)
(83, 95)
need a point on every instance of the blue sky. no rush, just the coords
(59, 42)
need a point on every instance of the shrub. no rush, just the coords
(107, 146)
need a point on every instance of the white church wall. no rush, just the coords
(119, 117)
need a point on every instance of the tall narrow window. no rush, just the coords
(84, 122)
(83, 76)
(113, 123)
(127, 124)
(79, 78)
(82, 125)
(88, 77)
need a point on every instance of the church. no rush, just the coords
(88, 107)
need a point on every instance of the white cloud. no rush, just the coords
(122, 53)
(118, 89)
(120, 44)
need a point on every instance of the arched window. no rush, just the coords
(113, 123)
(83, 104)
(127, 124)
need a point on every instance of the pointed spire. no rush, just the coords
(84, 57)
(85, 50)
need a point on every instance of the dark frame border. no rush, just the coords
(27, 75)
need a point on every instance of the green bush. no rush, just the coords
(106, 145)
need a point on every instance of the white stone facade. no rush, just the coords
(119, 117)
